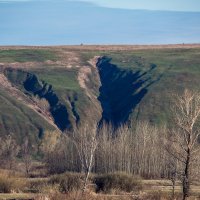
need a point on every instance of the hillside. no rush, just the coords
(48, 88)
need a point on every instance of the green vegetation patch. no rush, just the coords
(27, 55)
(60, 79)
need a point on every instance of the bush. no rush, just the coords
(8, 185)
(117, 181)
(37, 185)
(67, 182)
(5, 184)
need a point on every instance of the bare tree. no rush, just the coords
(8, 151)
(85, 140)
(132, 149)
(26, 155)
(183, 140)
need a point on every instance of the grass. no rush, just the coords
(27, 55)
(21, 196)
(17, 118)
(151, 189)
(60, 79)
(120, 187)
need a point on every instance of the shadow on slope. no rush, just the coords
(121, 90)
(34, 86)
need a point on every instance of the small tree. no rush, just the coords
(26, 155)
(183, 141)
(85, 140)
(8, 151)
(173, 173)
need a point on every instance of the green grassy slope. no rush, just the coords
(174, 70)
(19, 120)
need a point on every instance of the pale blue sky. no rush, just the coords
(176, 5)
(60, 22)
(171, 5)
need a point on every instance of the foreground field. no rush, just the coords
(153, 190)
(50, 188)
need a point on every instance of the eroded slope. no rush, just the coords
(103, 85)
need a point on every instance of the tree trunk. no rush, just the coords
(88, 172)
(173, 187)
(186, 181)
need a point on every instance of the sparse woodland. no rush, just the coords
(140, 150)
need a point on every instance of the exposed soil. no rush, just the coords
(68, 59)
(84, 78)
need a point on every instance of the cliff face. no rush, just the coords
(121, 90)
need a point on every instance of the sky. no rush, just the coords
(170, 5)
(68, 22)
(175, 5)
